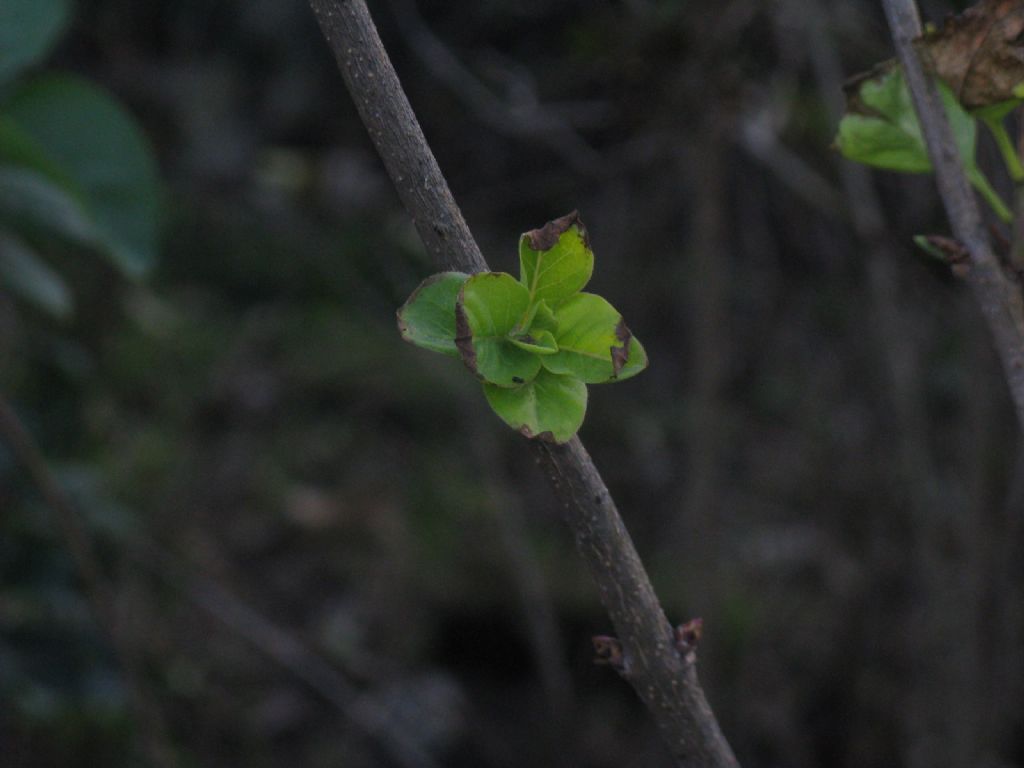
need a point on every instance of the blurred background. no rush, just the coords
(315, 544)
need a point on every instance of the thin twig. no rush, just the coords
(998, 294)
(528, 119)
(760, 139)
(664, 678)
(283, 648)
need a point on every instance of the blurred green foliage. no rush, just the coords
(76, 172)
(28, 30)
(77, 179)
(881, 129)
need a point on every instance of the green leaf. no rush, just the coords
(965, 127)
(92, 139)
(28, 198)
(636, 361)
(876, 142)
(526, 321)
(427, 319)
(881, 128)
(996, 111)
(538, 342)
(555, 261)
(543, 319)
(28, 276)
(19, 149)
(489, 308)
(28, 30)
(550, 407)
(592, 339)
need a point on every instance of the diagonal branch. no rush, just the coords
(998, 294)
(663, 677)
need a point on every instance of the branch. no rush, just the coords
(395, 131)
(998, 294)
(663, 676)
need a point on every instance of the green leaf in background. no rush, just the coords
(28, 30)
(427, 319)
(881, 128)
(592, 340)
(996, 111)
(28, 276)
(539, 342)
(19, 149)
(91, 138)
(555, 261)
(992, 116)
(490, 306)
(965, 127)
(550, 407)
(30, 200)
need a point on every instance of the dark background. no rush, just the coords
(326, 551)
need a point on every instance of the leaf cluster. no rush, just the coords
(535, 342)
(975, 57)
(881, 129)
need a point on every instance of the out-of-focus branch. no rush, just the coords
(939, 648)
(893, 326)
(761, 141)
(525, 118)
(152, 742)
(997, 293)
(663, 676)
(283, 648)
(266, 637)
